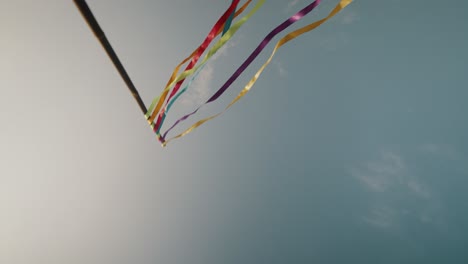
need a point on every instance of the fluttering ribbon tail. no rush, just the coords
(164, 110)
(228, 35)
(342, 4)
(196, 55)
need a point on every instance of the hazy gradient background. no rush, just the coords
(351, 148)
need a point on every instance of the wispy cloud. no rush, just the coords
(443, 150)
(388, 173)
(380, 175)
(201, 86)
(223, 51)
(281, 70)
(349, 17)
(383, 217)
(387, 178)
(418, 189)
(293, 3)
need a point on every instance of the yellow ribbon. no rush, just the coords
(342, 4)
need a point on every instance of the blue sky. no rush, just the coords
(351, 147)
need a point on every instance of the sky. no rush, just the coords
(351, 147)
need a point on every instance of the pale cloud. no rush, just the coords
(223, 51)
(293, 3)
(281, 70)
(443, 150)
(349, 17)
(374, 182)
(200, 89)
(387, 178)
(389, 172)
(380, 175)
(418, 189)
(383, 217)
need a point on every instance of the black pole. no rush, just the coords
(89, 17)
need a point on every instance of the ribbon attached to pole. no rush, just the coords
(228, 35)
(342, 4)
(219, 24)
(176, 70)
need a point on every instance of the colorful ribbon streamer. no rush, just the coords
(228, 35)
(299, 15)
(170, 102)
(168, 106)
(257, 51)
(176, 70)
(223, 25)
(342, 4)
(219, 24)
